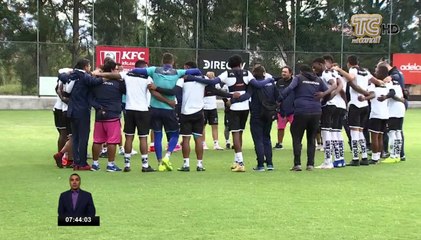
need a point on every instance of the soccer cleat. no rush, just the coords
(390, 160)
(278, 146)
(200, 169)
(148, 169)
(103, 154)
(69, 164)
(205, 147)
(296, 168)
(184, 169)
(234, 165)
(151, 148)
(270, 167)
(95, 167)
(403, 159)
(337, 164)
(326, 166)
(343, 163)
(166, 162)
(121, 151)
(162, 168)
(385, 155)
(217, 147)
(259, 169)
(228, 146)
(134, 152)
(354, 163)
(320, 148)
(364, 162)
(113, 168)
(64, 161)
(239, 168)
(310, 168)
(127, 169)
(57, 157)
(177, 148)
(373, 162)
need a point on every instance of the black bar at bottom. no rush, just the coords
(78, 221)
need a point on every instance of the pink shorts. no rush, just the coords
(107, 132)
(282, 121)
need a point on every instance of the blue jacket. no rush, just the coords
(80, 97)
(84, 205)
(107, 99)
(305, 86)
(287, 106)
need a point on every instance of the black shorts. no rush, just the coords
(68, 123)
(376, 125)
(211, 116)
(395, 123)
(237, 120)
(327, 117)
(338, 118)
(59, 119)
(163, 118)
(357, 117)
(137, 119)
(192, 124)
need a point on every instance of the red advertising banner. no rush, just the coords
(127, 56)
(409, 65)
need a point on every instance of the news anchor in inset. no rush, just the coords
(76, 202)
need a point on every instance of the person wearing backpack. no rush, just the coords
(263, 110)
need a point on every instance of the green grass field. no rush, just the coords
(375, 202)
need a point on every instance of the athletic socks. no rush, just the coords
(239, 158)
(335, 145)
(173, 141)
(355, 135)
(186, 162)
(199, 163)
(376, 156)
(145, 162)
(96, 162)
(158, 144)
(111, 164)
(327, 140)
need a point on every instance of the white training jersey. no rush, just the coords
(396, 108)
(379, 110)
(228, 77)
(210, 101)
(362, 77)
(137, 93)
(327, 76)
(59, 104)
(193, 93)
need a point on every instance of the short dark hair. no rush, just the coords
(305, 68)
(259, 72)
(235, 61)
(319, 60)
(167, 58)
(382, 72)
(75, 174)
(287, 67)
(109, 66)
(140, 64)
(352, 60)
(82, 63)
(191, 64)
(328, 57)
(108, 59)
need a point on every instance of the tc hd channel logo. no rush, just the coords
(369, 28)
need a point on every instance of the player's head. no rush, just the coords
(304, 68)
(384, 62)
(74, 181)
(168, 58)
(328, 61)
(259, 72)
(352, 61)
(318, 65)
(83, 64)
(235, 61)
(286, 72)
(109, 66)
(140, 64)
(189, 65)
(382, 72)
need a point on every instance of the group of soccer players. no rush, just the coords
(182, 101)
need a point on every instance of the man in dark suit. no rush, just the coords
(76, 202)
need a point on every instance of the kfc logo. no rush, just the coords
(126, 56)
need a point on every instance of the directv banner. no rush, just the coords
(217, 61)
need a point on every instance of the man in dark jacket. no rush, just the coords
(308, 89)
(76, 202)
(261, 118)
(79, 109)
(286, 109)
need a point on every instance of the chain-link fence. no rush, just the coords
(39, 37)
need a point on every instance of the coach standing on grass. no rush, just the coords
(308, 89)
(79, 110)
